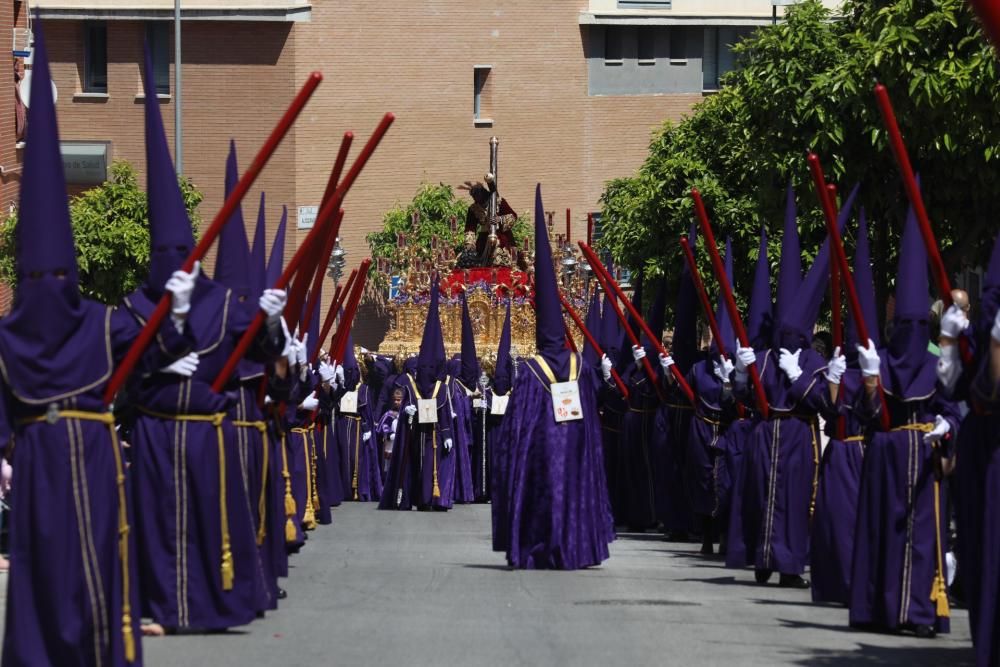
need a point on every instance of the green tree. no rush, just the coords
(806, 84)
(111, 233)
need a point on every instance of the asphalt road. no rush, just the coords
(408, 589)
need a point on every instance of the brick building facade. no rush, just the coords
(572, 88)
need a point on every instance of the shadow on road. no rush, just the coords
(866, 654)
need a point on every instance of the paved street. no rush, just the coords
(387, 588)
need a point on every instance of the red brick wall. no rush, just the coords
(12, 14)
(414, 59)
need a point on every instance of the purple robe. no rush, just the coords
(641, 440)
(835, 518)
(557, 514)
(68, 583)
(421, 472)
(780, 465)
(364, 455)
(896, 550)
(461, 403)
(977, 491)
(675, 512)
(706, 473)
(182, 518)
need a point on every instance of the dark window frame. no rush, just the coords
(95, 70)
(158, 39)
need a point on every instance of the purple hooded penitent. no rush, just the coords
(550, 332)
(42, 338)
(470, 360)
(232, 263)
(760, 322)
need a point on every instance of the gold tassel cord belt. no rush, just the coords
(106, 418)
(939, 591)
(290, 508)
(309, 514)
(262, 500)
(216, 420)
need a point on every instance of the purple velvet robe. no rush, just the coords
(419, 458)
(641, 442)
(780, 466)
(364, 457)
(706, 473)
(177, 466)
(461, 403)
(977, 494)
(835, 518)
(896, 550)
(675, 513)
(67, 581)
(556, 510)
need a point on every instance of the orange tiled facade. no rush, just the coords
(545, 67)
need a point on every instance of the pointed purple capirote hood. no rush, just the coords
(276, 261)
(864, 285)
(170, 237)
(790, 269)
(726, 331)
(760, 322)
(232, 261)
(502, 373)
(431, 359)
(52, 343)
(258, 265)
(684, 348)
(799, 318)
(470, 360)
(550, 332)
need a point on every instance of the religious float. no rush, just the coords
(486, 265)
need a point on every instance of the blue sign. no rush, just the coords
(395, 284)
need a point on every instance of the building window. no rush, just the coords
(718, 58)
(95, 58)
(613, 46)
(644, 4)
(678, 46)
(158, 40)
(481, 106)
(646, 45)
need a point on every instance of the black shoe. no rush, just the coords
(678, 536)
(925, 631)
(793, 581)
(762, 576)
(707, 549)
(282, 594)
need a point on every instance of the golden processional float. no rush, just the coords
(489, 269)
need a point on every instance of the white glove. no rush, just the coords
(941, 428)
(995, 331)
(311, 402)
(789, 363)
(868, 359)
(339, 372)
(723, 369)
(410, 410)
(395, 425)
(836, 367)
(326, 372)
(638, 353)
(185, 366)
(606, 367)
(300, 351)
(366, 436)
(272, 302)
(666, 361)
(948, 368)
(181, 286)
(953, 322)
(447, 445)
(745, 357)
(392, 438)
